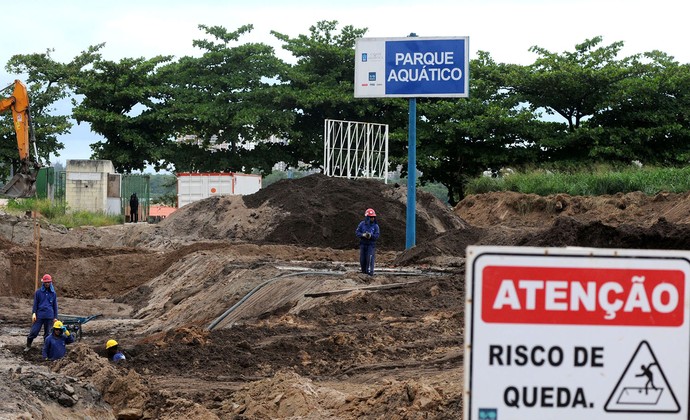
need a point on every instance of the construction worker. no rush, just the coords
(55, 345)
(133, 208)
(45, 310)
(114, 354)
(367, 232)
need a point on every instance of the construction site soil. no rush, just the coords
(254, 307)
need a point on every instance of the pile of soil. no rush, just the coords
(511, 209)
(314, 211)
(632, 220)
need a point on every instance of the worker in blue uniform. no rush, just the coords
(45, 310)
(55, 345)
(367, 232)
(113, 350)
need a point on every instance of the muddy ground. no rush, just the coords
(254, 308)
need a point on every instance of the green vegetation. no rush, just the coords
(163, 189)
(85, 218)
(239, 107)
(599, 181)
(43, 206)
(57, 213)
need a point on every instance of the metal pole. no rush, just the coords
(385, 161)
(37, 238)
(410, 232)
(326, 145)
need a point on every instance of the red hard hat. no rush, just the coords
(370, 213)
(46, 279)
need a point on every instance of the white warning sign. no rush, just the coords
(581, 333)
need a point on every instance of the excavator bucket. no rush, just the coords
(20, 186)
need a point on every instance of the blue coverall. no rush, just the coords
(46, 310)
(367, 246)
(55, 346)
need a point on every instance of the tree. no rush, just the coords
(649, 117)
(459, 139)
(223, 99)
(122, 101)
(320, 86)
(48, 84)
(575, 85)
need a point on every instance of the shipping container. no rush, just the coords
(193, 187)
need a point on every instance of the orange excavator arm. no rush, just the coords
(22, 185)
(19, 103)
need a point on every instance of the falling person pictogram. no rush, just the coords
(650, 377)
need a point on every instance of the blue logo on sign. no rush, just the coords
(364, 57)
(488, 414)
(372, 76)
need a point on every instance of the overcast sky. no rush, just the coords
(505, 28)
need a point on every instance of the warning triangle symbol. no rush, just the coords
(643, 387)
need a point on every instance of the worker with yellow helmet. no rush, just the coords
(55, 345)
(114, 354)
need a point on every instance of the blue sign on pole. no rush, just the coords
(412, 67)
(421, 68)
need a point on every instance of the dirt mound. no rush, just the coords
(289, 395)
(567, 231)
(315, 211)
(338, 336)
(122, 388)
(632, 220)
(448, 249)
(564, 231)
(531, 210)
(87, 273)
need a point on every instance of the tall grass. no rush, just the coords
(85, 218)
(599, 181)
(57, 213)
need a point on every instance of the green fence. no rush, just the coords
(45, 183)
(140, 184)
(60, 179)
(52, 184)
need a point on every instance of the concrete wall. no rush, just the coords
(86, 186)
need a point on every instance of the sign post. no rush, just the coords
(410, 68)
(577, 333)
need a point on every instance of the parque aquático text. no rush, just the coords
(538, 356)
(425, 67)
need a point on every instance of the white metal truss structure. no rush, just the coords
(355, 149)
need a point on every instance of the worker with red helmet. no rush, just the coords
(367, 232)
(45, 310)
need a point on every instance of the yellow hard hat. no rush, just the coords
(110, 344)
(57, 325)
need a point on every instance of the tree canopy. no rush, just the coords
(238, 107)
(47, 81)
